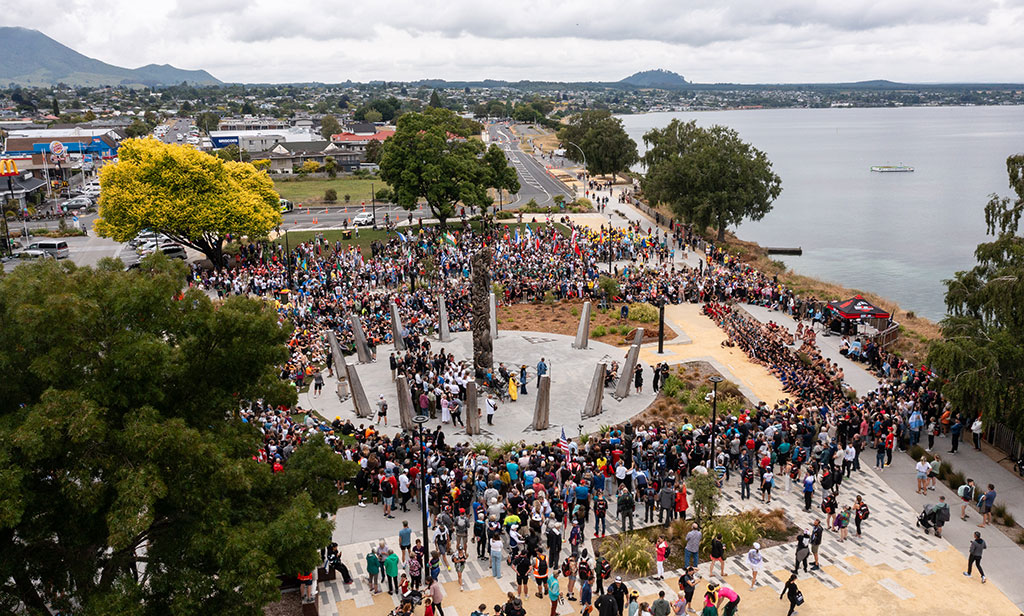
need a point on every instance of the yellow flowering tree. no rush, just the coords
(190, 196)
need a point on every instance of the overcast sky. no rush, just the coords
(744, 41)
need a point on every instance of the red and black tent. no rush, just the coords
(857, 308)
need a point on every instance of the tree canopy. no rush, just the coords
(602, 138)
(434, 155)
(329, 126)
(127, 478)
(708, 176)
(980, 358)
(191, 196)
(502, 175)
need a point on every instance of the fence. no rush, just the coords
(1004, 439)
(887, 336)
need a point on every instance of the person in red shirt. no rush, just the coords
(278, 467)
(890, 442)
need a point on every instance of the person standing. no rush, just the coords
(966, 494)
(405, 540)
(756, 562)
(667, 504)
(955, 431)
(372, 571)
(923, 468)
(802, 551)
(791, 592)
(394, 367)
(816, 535)
(660, 554)
(554, 593)
(974, 556)
(692, 546)
(687, 585)
(391, 571)
(717, 553)
(660, 607)
(976, 432)
(436, 595)
(986, 506)
(496, 548)
(542, 369)
(860, 512)
(492, 406)
(808, 490)
(638, 378)
(624, 507)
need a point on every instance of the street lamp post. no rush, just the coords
(715, 380)
(420, 420)
(584, 163)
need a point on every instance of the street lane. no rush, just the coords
(534, 179)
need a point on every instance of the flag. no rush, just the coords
(517, 237)
(402, 237)
(563, 444)
(450, 238)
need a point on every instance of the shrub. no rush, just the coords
(945, 470)
(999, 511)
(630, 553)
(956, 479)
(549, 298)
(1008, 519)
(609, 285)
(643, 312)
(330, 195)
(1020, 537)
(598, 331)
(917, 452)
(504, 215)
(498, 289)
(348, 198)
(705, 497)
(487, 449)
(574, 311)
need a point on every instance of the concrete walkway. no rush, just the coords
(1004, 558)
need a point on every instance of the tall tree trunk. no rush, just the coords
(721, 229)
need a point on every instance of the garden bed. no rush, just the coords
(632, 553)
(683, 397)
(564, 318)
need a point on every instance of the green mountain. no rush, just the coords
(30, 58)
(659, 78)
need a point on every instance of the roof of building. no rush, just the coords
(352, 137)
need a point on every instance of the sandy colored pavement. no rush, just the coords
(706, 343)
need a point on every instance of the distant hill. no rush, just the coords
(658, 78)
(30, 58)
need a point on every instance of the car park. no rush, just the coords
(363, 219)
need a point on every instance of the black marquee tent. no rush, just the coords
(857, 308)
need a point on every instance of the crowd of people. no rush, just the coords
(527, 511)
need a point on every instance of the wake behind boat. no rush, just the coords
(892, 168)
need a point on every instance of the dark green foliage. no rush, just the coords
(708, 176)
(602, 138)
(980, 359)
(120, 444)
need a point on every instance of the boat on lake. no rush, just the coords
(901, 168)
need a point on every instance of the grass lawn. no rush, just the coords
(311, 191)
(368, 235)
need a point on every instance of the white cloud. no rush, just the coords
(750, 41)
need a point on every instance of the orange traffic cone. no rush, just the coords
(327, 210)
(307, 210)
(315, 222)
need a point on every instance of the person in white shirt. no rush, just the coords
(922, 468)
(976, 433)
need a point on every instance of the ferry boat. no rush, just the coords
(892, 168)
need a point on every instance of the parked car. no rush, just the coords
(81, 202)
(363, 219)
(33, 253)
(58, 249)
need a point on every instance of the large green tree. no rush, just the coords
(602, 139)
(435, 155)
(329, 125)
(502, 175)
(191, 196)
(980, 358)
(708, 176)
(127, 478)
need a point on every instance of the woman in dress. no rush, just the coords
(446, 415)
(756, 562)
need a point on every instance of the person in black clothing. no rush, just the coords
(791, 592)
(803, 551)
(618, 590)
(816, 534)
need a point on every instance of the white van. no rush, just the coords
(57, 248)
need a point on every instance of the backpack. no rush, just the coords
(542, 566)
(748, 475)
(668, 551)
(863, 511)
(606, 569)
(826, 482)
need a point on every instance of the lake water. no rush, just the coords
(896, 234)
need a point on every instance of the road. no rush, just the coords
(176, 126)
(535, 181)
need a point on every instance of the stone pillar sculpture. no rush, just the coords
(339, 366)
(493, 309)
(471, 411)
(626, 376)
(595, 399)
(480, 289)
(396, 328)
(404, 403)
(583, 331)
(638, 337)
(542, 409)
(444, 334)
(358, 395)
(362, 347)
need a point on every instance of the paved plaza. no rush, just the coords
(893, 567)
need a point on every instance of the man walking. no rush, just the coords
(974, 556)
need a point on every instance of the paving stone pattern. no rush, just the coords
(890, 538)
